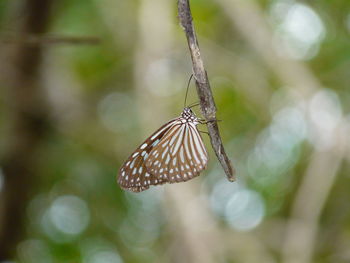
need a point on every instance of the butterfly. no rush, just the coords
(172, 154)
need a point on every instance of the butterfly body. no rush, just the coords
(174, 153)
(189, 116)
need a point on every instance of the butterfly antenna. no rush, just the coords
(188, 85)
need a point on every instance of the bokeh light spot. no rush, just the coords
(245, 210)
(303, 24)
(221, 194)
(104, 257)
(289, 125)
(278, 146)
(325, 113)
(141, 226)
(69, 214)
(299, 29)
(98, 250)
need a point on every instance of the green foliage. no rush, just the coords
(103, 96)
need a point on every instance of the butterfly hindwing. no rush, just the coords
(174, 153)
(179, 156)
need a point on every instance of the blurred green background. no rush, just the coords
(72, 109)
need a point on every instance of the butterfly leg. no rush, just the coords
(202, 121)
(204, 132)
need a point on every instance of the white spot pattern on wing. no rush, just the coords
(176, 148)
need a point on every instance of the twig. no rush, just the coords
(48, 40)
(203, 88)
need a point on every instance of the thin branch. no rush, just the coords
(48, 40)
(203, 88)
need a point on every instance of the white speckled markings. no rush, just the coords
(174, 153)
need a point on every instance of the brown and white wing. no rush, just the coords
(179, 156)
(133, 175)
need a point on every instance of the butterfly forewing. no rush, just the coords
(174, 153)
(133, 174)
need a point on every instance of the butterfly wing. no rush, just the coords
(133, 175)
(180, 155)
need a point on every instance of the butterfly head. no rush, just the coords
(188, 115)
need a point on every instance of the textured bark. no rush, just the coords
(28, 122)
(203, 88)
